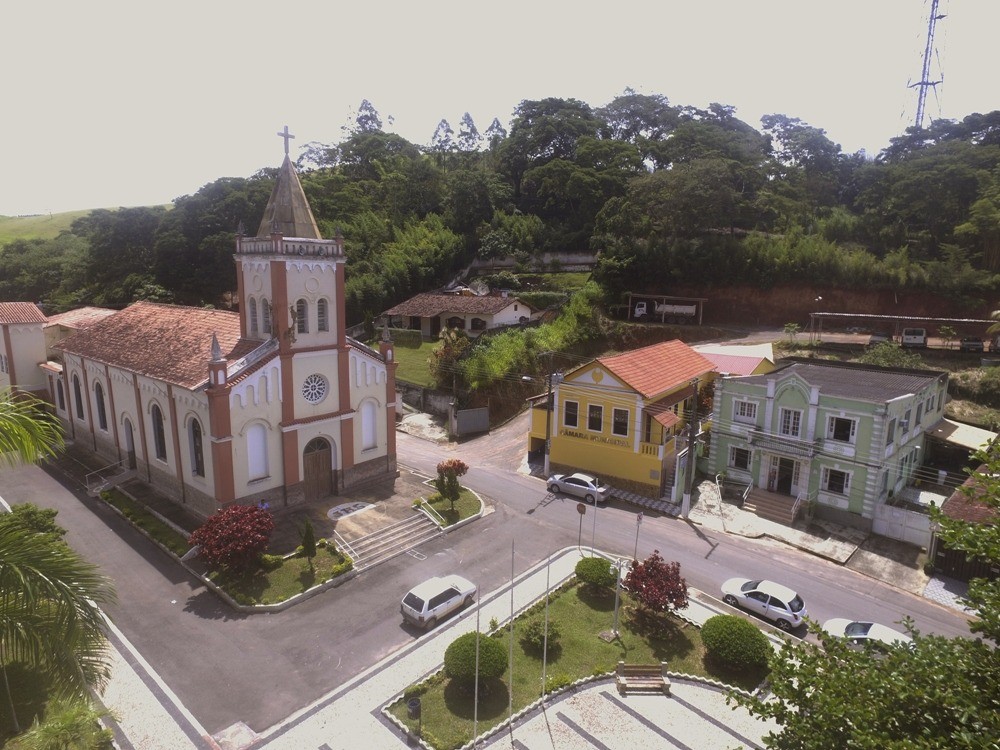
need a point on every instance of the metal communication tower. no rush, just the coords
(924, 83)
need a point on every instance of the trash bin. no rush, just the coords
(413, 708)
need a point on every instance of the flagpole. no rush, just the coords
(510, 636)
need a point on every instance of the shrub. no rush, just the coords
(657, 584)
(734, 642)
(595, 572)
(460, 658)
(235, 537)
(533, 636)
(309, 542)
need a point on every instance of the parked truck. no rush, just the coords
(665, 311)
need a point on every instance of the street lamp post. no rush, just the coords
(618, 588)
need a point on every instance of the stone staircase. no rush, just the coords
(377, 547)
(770, 505)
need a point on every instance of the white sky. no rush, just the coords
(122, 103)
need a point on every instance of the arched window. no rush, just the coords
(369, 426)
(265, 314)
(102, 414)
(302, 316)
(197, 451)
(77, 397)
(252, 314)
(159, 437)
(61, 395)
(257, 451)
(322, 315)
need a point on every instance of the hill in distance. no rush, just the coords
(39, 226)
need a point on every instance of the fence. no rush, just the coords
(905, 525)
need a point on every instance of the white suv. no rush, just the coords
(767, 599)
(435, 599)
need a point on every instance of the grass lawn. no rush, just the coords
(466, 506)
(580, 616)
(139, 516)
(281, 578)
(412, 362)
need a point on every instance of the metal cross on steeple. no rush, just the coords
(287, 136)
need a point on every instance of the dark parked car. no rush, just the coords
(971, 344)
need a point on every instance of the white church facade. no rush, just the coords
(272, 404)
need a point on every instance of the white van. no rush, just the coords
(914, 338)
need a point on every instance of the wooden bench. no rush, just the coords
(642, 677)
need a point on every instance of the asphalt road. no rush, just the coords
(227, 667)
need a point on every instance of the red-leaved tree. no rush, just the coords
(235, 537)
(657, 584)
(447, 479)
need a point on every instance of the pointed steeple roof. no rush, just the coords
(288, 212)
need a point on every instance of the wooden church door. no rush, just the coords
(319, 479)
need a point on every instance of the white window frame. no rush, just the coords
(733, 449)
(790, 422)
(890, 432)
(745, 411)
(576, 415)
(614, 421)
(831, 428)
(600, 413)
(825, 483)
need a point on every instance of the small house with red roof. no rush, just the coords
(431, 312)
(22, 348)
(624, 416)
(274, 403)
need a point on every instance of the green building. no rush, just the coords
(842, 437)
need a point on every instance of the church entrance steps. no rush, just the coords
(377, 547)
(770, 505)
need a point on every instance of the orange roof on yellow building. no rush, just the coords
(659, 368)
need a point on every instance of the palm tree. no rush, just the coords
(28, 433)
(50, 618)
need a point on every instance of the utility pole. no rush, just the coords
(548, 418)
(924, 83)
(692, 420)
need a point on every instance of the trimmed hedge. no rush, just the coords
(734, 642)
(596, 572)
(460, 658)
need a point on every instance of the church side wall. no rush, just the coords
(255, 409)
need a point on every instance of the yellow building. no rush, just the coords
(623, 417)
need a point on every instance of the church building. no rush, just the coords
(272, 404)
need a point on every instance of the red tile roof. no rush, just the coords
(165, 342)
(20, 312)
(82, 317)
(656, 369)
(965, 504)
(430, 304)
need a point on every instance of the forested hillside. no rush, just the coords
(668, 195)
